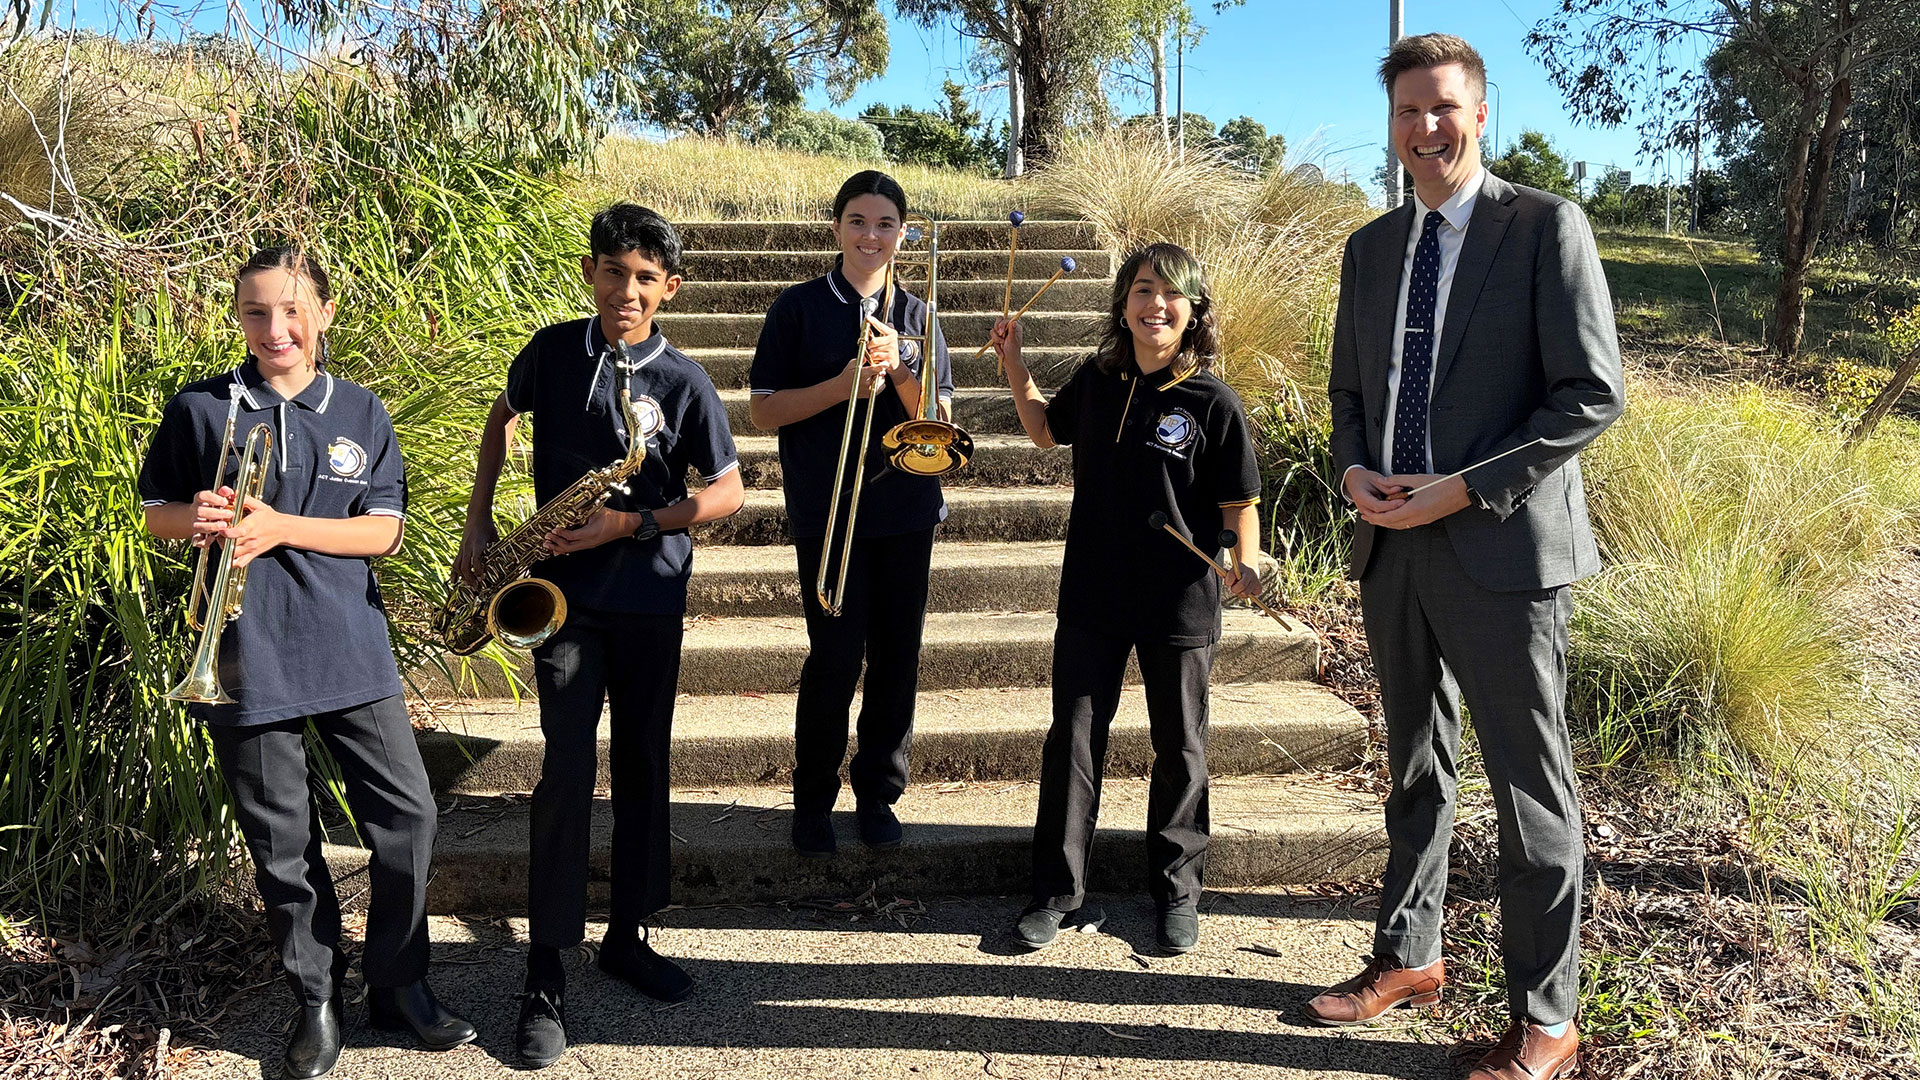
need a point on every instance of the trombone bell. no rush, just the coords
(927, 447)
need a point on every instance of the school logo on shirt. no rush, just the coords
(651, 418)
(346, 458)
(909, 351)
(1175, 429)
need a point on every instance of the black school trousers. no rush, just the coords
(1088, 668)
(881, 619)
(265, 766)
(630, 663)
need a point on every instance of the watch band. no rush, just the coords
(648, 528)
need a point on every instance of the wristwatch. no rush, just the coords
(1477, 499)
(648, 528)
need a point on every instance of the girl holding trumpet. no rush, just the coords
(807, 370)
(310, 645)
(1154, 435)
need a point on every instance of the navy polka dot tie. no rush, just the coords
(1416, 352)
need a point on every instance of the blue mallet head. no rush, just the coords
(913, 234)
(1016, 219)
(1067, 264)
(1156, 520)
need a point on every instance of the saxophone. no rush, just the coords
(524, 611)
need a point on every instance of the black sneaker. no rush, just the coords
(541, 1036)
(1039, 924)
(635, 963)
(1179, 929)
(813, 834)
(879, 829)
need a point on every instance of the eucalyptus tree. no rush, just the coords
(1616, 60)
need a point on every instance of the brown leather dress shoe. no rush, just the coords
(1527, 1052)
(1382, 986)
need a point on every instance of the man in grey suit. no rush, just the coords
(1472, 321)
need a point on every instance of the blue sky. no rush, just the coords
(1307, 68)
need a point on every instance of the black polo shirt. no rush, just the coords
(312, 634)
(811, 332)
(570, 378)
(1174, 444)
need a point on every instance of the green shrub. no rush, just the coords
(1731, 527)
(829, 135)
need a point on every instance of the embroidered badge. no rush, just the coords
(345, 458)
(1175, 429)
(651, 418)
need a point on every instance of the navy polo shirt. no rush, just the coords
(570, 379)
(312, 634)
(811, 332)
(1174, 444)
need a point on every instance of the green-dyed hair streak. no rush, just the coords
(1199, 343)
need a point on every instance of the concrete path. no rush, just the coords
(817, 992)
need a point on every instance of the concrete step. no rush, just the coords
(1022, 513)
(690, 330)
(1076, 292)
(791, 266)
(980, 410)
(763, 654)
(730, 844)
(731, 368)
(998, 461)
(964, 577)
(494, 747)
(818, 236)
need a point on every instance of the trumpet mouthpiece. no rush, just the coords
(1157, 520)
(1067, 264)
(868, 305)
(1016, 219)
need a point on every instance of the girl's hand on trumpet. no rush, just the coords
(263, 529)
(212, 512)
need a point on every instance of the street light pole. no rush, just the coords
(1496, 116)
(1396, 29)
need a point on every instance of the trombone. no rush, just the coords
(830, 603)
(926, 445)
(209, 609)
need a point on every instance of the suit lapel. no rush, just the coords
(1381, 292)
(1488, 226)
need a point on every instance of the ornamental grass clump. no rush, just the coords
(1732, 527)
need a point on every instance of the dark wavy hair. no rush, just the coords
(625, 227)
(1199, 343)
(294, 260)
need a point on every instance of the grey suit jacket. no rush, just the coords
(1528, 350)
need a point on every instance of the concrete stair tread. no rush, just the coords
(973, 513)
(751, 579)
(969, 330)
(764, 654)
(730, 843)
(956, 235)
(791, 265)
(730, 367)
(494, 746)
(999, 460)
(1073, 292)
(947, 555)
(981, 410)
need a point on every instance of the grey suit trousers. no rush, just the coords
(1431, 629)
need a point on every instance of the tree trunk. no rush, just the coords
(1016, 111)
(1883, 402)
(1160, 84)
(1038, 130)
(1807, 187)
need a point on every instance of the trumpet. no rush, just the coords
(210, 609)
(830, 603)
(926, 445)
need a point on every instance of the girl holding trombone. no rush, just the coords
(808, 370)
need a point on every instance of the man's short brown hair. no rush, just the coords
(1433, 50)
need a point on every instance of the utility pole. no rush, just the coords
(1396, 29)
(1693, 189)
(1180, 98)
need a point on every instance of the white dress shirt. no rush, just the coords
(1458, 210)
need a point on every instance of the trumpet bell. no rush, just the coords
(526, 612)
(201, 687)
(927, 447)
